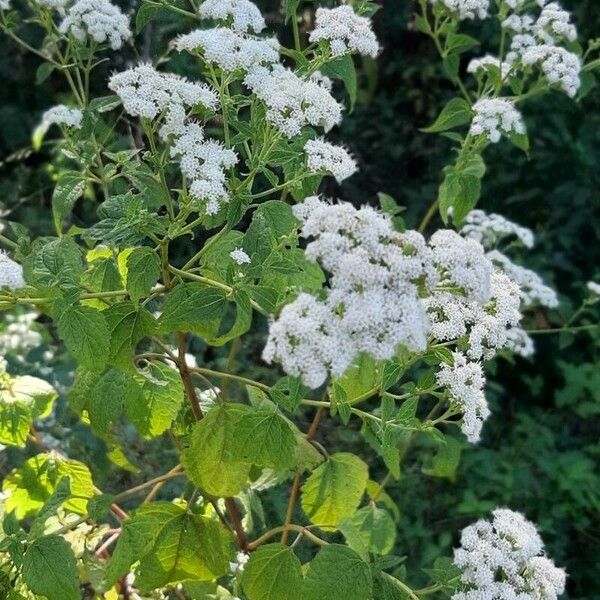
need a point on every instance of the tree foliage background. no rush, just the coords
(540, 453)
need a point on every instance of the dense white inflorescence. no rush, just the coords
(465, 381)
(503, 560)
(19, 336)
(535, 41)
(345, 31)
(494, 117)
(4, 4)
(489, 229)
(485, 64)
(228, 49)
(146, 92)
(323, 156)
(593, 287)
(11, 273)
(293, 102)
(242, 15)
(239, 256)
(61, 115)
(99, 19)
(466, 9)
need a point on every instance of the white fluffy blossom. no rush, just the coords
(19, 336)
(466, 9)
(519, 342)
(242, 14)
(345, 31)
(228, 49)
(557, 22)
(485, 63)
(146, 92)
(465, 381)
(594, 287)
(61, 115)
(238, 565)
(532, 288)
(323, 156)
(489, 229)
(203, 162)
(293, 102)
(239, 256)
(503, 560)
(11, 273)
(560, 67)
(463, 263)
(4, 4)
(494, 117)
(99, 19)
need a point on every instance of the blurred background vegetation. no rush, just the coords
(540, 451)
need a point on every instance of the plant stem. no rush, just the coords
(223, 375)
(283, 528)
(401, 586)
(186, 378)
(428, 216)
(157, 481)
(563, 329)
(236, 521)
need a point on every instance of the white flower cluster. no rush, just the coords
(372, 304)
(100, 19)
(228, 49)
(61, 115)
(489, 229)
(293, 102)
(345, 31)
(593, 287)
(466, 9)
(323, 156)
(536, 42)
(242, 15)
(146, 92)
(465, 381)
(11, 273)
(503, 560)
(494, 117)
(486, 63)
(239, 256)
(4, 4)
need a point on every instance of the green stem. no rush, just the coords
(223, 375)
(401, 586)
(428, 216)
(563, 329)
(289, 527)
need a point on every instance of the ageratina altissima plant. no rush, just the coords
(202, 227)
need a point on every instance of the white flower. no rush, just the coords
(503, 560)
(11, 273)
(293, 102)
(145, 92)
(560, 67)
(494, 117)
(485, 63)
(345, 31)
(228, 49)
(465, 381)
(239, 256)
(59, 115)
(519, 342)
(4, 4)
(241, 559)
(593, 287)
(557, 22)
(19, 336)
(489, 229)
(463, 263)
(244, 14)
(533, 290)
(100, 19)
(466, 9)
(323, 156)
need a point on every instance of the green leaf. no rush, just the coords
(103, 276)
(31, 485)
(338, 573)
(343, 68)
(50, 569)
(143, 271)
(460, 192)
(194, 307)
(105, 103)
(459, 42)
(360, 378)
(185, 546)
(457, 112)
(273, 571)
(162, 395)
(447, 459)
(68, 190)
(370, 530)
(43, 72)
(242, 322)
(23, 400)
(287, 392)
(54, 263)
(334, 489)
(520, 140)
(291, 6)
(127, 325)
(211, 461)
(85, 333)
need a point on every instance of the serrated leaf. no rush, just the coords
(53, 263)
(446, 460)
(273, 571)
(85, 333)
(343, 68)
(143, 271)
(68, 190)
(457, 112)
(334, 490)
(50, 569)
(369, 530)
